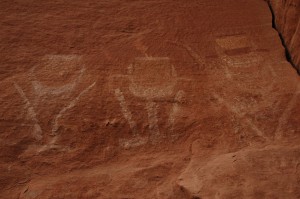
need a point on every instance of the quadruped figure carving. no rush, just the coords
(150, 79)
(56, 78)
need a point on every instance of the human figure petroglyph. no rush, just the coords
(150, 79)
(57, 78)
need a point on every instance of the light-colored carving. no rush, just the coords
(151, 108)
(175, 109)
(237, 51)
(133, 142)
(64, 81)
(151, 79)
(125, 110)
(37, 131)
(56, 78)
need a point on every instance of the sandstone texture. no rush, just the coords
(287, 22)
(165, 99)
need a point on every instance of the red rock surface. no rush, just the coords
(287, 21)
(146, 99)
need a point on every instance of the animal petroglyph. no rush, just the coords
(150, 79)
(56, 78)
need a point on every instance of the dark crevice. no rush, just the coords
(287, 52)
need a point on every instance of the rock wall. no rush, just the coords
(164, 99)
(287, 22)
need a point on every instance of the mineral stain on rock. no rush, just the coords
(149, 99)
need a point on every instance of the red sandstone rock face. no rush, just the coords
(287, 19)
(146, 99)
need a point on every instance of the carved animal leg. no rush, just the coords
(151, 108)
(37, 131)
(126, 112)
(175, 110)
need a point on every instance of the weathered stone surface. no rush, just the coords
(287, 21)
(270, 172)
(146, 99)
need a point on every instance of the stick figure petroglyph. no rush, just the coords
(150, 79)
(57, 78)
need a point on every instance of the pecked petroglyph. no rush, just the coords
(65, 80)
(151, 108)
(57, 77)
(175, 109)
(125, 110)
(237, 51)
(133, 142)
(37, 131)
(150, 79)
